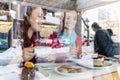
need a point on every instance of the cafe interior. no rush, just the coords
(63, 46)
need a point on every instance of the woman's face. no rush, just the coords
(70, 20)
(35, 19)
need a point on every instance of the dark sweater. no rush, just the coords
(103, 43)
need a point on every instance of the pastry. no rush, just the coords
(79, 70)
(63, 70)
(99, 62)
(69, 69)
(73, 71)
(66, 66)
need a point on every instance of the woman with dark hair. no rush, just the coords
(30, 32)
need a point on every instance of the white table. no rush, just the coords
(55, 76)
(88, 75)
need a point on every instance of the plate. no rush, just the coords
(88, 63)
(83, 72)
(49, 66)
(108, 64)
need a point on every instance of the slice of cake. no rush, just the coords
(99, 62)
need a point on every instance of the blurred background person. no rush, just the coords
(115, 39)
(110, 32)
(102, 41)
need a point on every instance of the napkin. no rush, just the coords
(9, 69)
(85, 61)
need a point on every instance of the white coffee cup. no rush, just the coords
(42, 51)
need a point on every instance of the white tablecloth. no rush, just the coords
(12, 54)
(13, 72)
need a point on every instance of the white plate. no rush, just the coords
(49, 66)
(71, 74)
(107, 65)
(88, 63)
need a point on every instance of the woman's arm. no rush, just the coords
(79, 44)
(28, 53)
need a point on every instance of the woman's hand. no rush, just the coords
(28, 53)
(73, 51)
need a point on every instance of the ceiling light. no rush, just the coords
(14, 2)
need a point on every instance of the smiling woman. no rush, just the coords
(31, 26)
